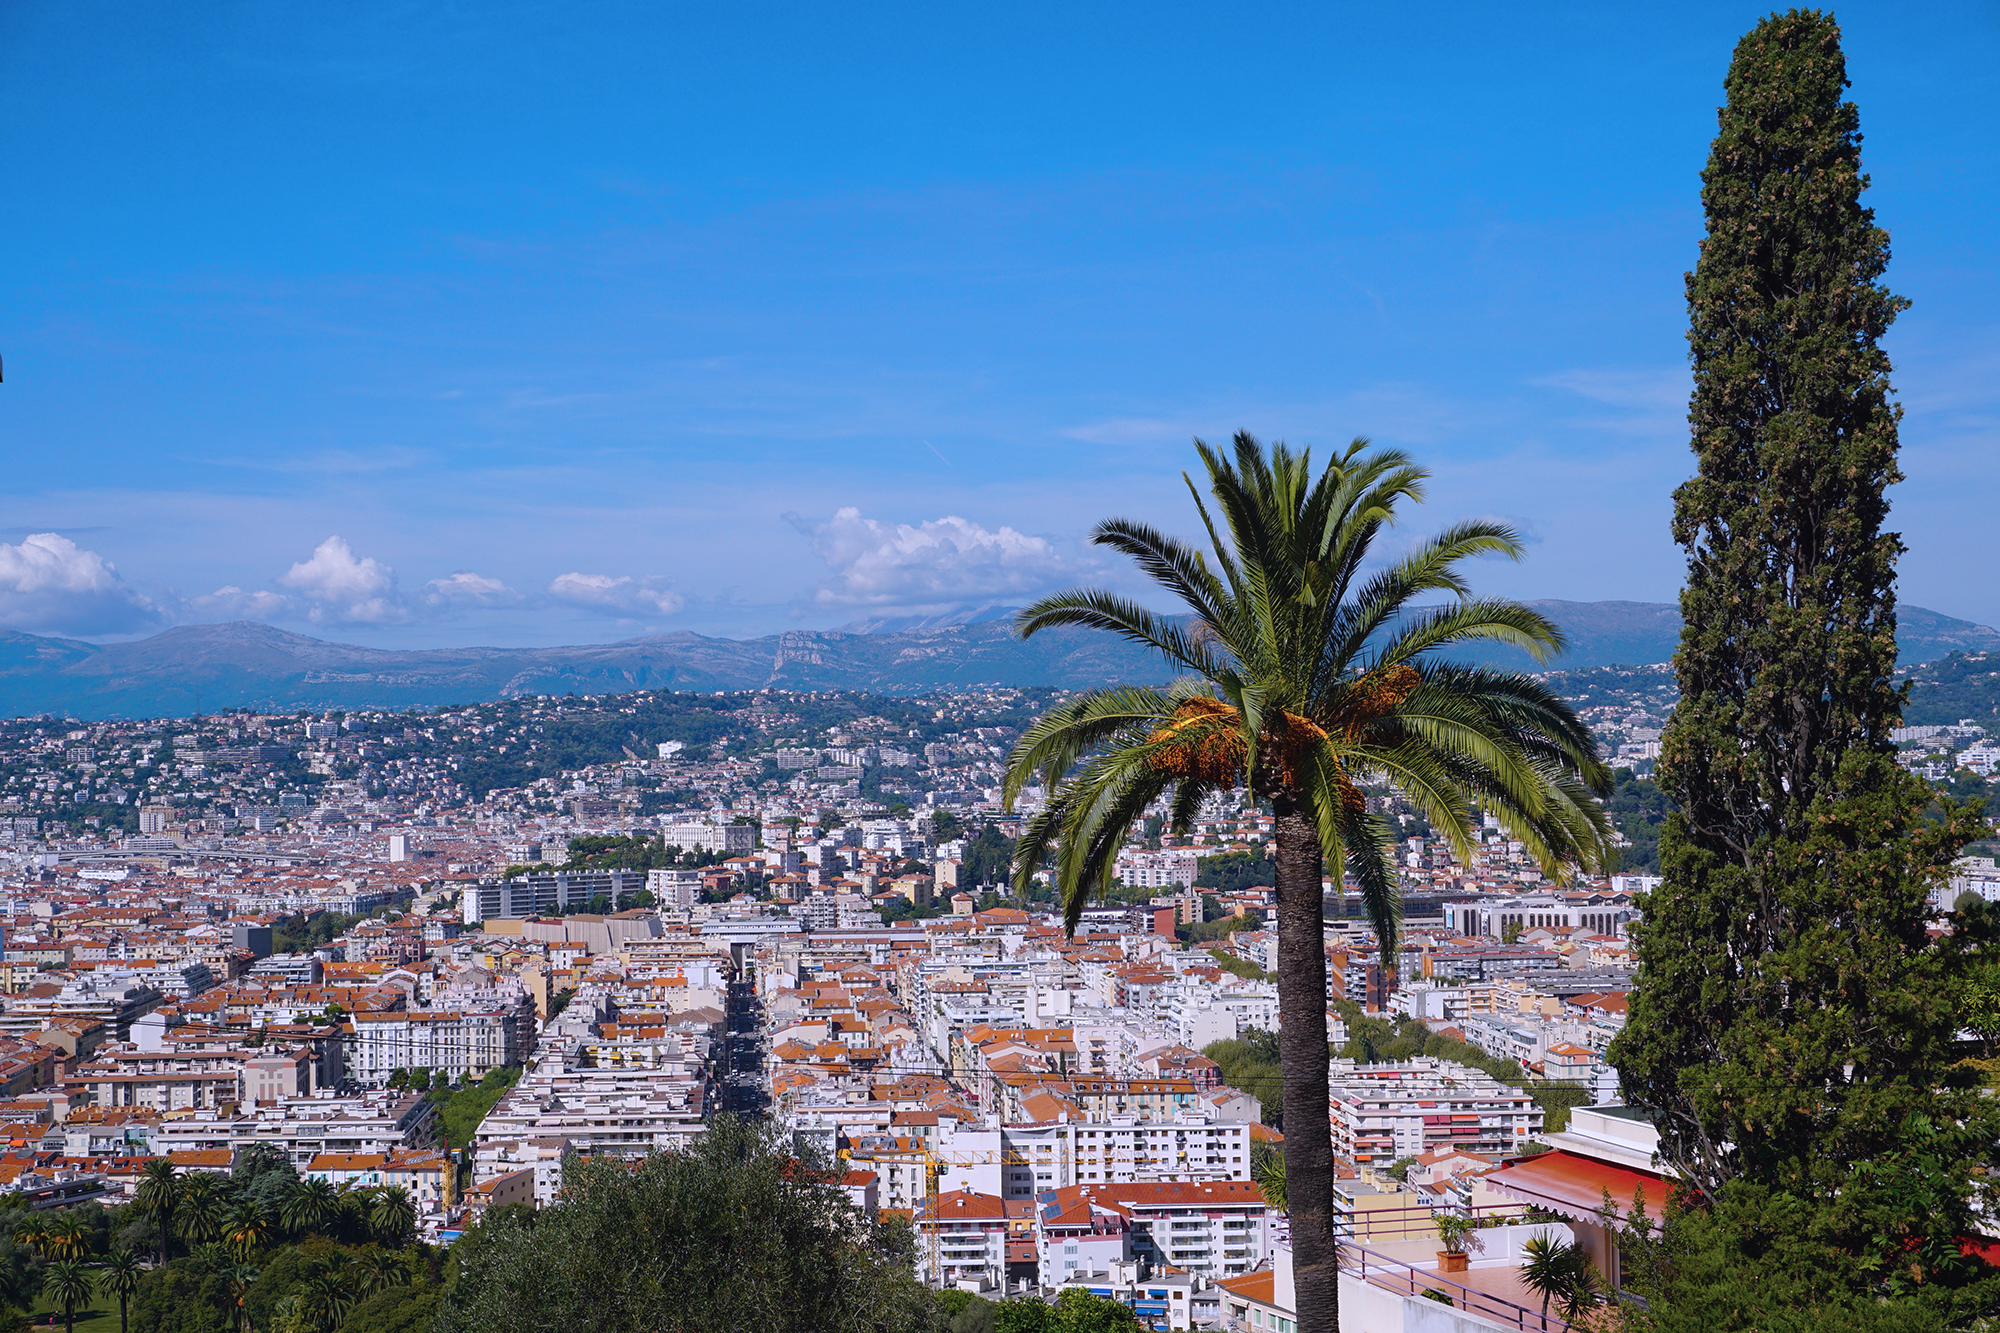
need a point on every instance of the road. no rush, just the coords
(739, 1086)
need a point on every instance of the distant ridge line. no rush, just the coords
(249, 664)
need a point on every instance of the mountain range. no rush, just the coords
(201, 668)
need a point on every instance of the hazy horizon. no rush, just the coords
(522, 327)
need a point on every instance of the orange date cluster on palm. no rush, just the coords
(1203, 742)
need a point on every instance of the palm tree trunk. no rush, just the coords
(1302, 1052)
(121, 1315)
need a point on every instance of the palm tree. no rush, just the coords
(1561, 1271)
(382, 1269)
(66, 1237)
(33, 1232)
(1306, 679)
(69, 1285)
(120, 1277)
(1267, 1169)
(201, 1209)
(309, 1205)
(394, 1216)
(328, 1298)
(245, 1229)
(240, 1278)
(158, 1195)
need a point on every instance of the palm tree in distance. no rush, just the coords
(62, 1237)
(121, 1278)
(309, 1205)
(245, 1229)
(158, 1195)
(1308, 679)
(383, 1269)
(240, 1278)
(69, 1285)
(199, 1214)
(393, 1216)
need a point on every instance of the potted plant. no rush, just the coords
(1454, 1233)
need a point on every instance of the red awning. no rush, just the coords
(1574, 1185)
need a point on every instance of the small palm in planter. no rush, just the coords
(1455, 1234)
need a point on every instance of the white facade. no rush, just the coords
(1383, 1112)
(1169, 868)
(674, 888)
(702, 836)
(545, 895)
(452, 1042)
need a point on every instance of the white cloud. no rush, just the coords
(466, 588)
(234, 603)
(933, 565)
(338, 586)
(49, 583)
(623, 595)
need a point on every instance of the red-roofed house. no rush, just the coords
(970, 1233)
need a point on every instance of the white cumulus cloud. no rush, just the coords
(466, 588)
(340, 587)
(935, 564)
(622, 595)
(50, 584)
(236, 603)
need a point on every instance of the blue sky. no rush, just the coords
(491, 323)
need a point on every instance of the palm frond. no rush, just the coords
(1095, 609)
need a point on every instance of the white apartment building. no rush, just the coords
(453, 1043)
(606, 1112)
(699, 835)
(304, 1127)
(1599, 913)
(1383, 1112)
(674, 888)
(1213, 1230)
(1172, 867)
(1969, 874)
(971, 1232)
(556, 894)
(1123, 1150)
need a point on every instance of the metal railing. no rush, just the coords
(1403, 1277)
(1415, 1221)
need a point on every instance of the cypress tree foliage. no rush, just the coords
(1792, 1026)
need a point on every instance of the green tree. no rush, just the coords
(120, 1277)
(736, 1232)
(240, 1279)
(400, 1309)
(158, 1193)
(1559, 1271)
(1792, 1026)
(1302, 673)
(309, 1205)
(382, 1269)
(68, 1284)
(245, 1229)
(393, 1217)
(327, 1299)
(1267, 1168)
(1073, 1311)
(202, 1210)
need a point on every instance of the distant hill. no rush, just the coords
(1638, 633)
(245, 664)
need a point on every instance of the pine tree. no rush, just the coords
(1791, 1029)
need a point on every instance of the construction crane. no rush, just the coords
(936, 1165)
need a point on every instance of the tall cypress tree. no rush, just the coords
(1791, 1027)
